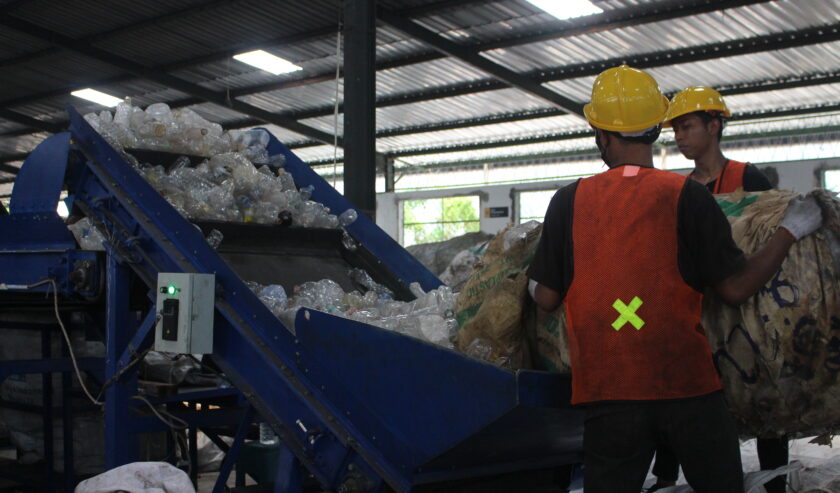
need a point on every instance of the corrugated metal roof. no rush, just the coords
(232, 23)
(53, 71)
(14, 43)
(168, 32)
(81, 19)
(16, 145)
(700, 29)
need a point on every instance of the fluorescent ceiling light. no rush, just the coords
(268, 62)
(567, 9)
(97, 97)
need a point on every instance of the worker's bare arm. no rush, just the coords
(547, 298)
(760, 268)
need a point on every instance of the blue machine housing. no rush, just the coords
(355, 406)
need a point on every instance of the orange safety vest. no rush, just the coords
(731, 178)
(633, 323)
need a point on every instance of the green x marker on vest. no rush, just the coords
(628, 314)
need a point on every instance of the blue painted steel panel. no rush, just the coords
(24, 268)
(389, 252)
(39, 182)
(34, 231)
(411, 399)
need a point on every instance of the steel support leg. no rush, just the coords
(233, 452)
(47, 412)
(289, 478)
(120, 442)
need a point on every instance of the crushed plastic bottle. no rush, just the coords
(347, 217)
(87, 235)
(348, 242)
(267, 435)
(306, 192)
(214, 238)
(274, 297)
(519, 234)
(363, 279)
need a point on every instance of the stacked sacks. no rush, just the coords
(778, 353)
(490, 306)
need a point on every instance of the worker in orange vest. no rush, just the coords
(698, 116)
(630, 251)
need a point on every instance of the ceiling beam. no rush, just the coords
(612, 19)
(736, 47)
(228, 52)
(41, 125)
(507, 142)
(754, 115)
(167, 80)
(631, 16)
(473, 57)
(124, 29)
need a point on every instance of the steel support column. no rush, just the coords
(359, 105)
(120, 442)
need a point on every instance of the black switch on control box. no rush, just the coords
(170, 320)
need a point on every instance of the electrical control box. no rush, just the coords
(185, 304)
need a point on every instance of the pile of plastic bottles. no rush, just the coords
(235, 184)
(431, 316)
(182, 131)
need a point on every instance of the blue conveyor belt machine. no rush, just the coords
(357, 407)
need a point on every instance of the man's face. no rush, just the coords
(693, 137)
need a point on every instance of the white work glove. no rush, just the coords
(802, 217)
(532, 289)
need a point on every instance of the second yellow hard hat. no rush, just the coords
(693, 99)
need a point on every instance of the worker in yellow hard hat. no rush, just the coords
(698, 115)
(623, 249)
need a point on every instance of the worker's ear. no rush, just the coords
(713, 126)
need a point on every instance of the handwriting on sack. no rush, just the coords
(805, 341)
(806, 344)
(783, 292)
(832, 359)
(722, 355)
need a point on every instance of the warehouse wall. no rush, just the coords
(800, 176)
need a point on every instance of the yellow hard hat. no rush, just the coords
(625, 99)
(696, 99)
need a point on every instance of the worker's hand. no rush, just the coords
(532, 289)
(802, 217)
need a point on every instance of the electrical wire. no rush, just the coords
(173, 422)
(180, 425)
(67, 340)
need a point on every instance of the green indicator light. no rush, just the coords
(171, 289)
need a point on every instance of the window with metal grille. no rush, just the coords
(533, 204)
(431, 220)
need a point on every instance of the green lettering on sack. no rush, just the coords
(553, 326)
(466, 314)
(735, 209)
